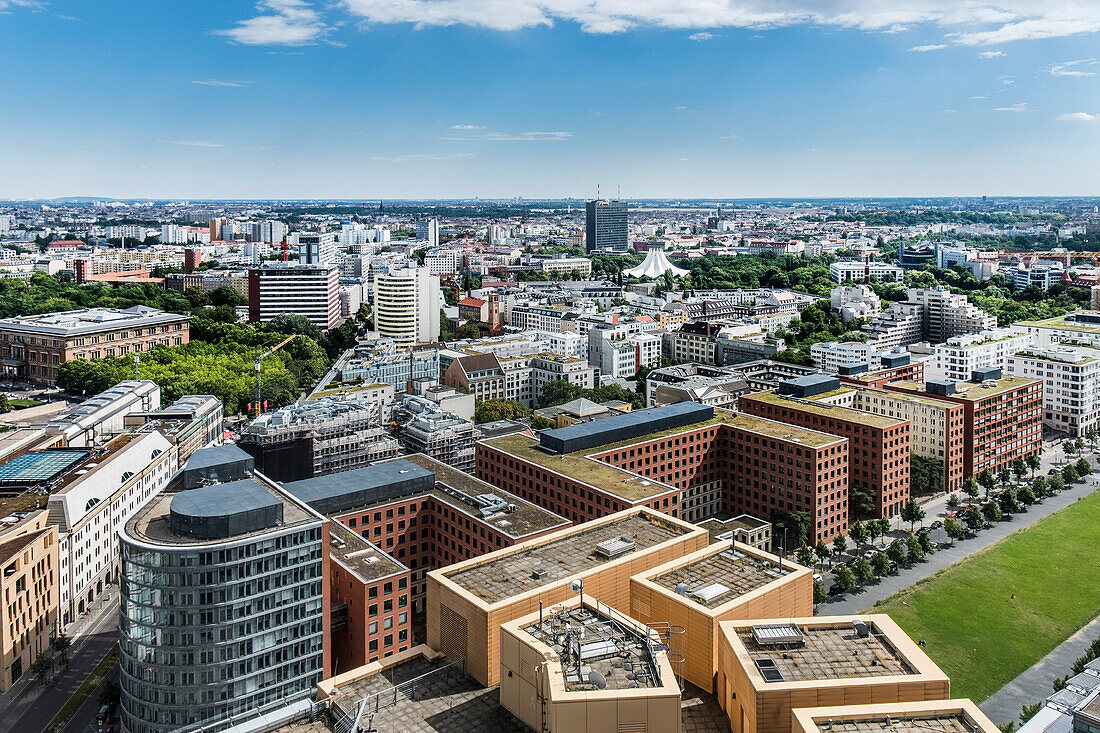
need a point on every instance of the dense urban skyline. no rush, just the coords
(290, 99)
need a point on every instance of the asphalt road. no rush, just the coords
(84, 721)
(28, 707)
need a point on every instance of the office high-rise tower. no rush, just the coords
(606, 225)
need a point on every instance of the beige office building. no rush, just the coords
(942, 716)
(766, 668)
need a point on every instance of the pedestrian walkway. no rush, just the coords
(869, 595)
(1037, 681)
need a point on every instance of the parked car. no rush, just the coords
(936, 524)
(817, 576)
(869, 554)
(835, 590)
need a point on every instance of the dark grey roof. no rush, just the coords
(224, 510)
(337, 492)
(222, 499)
(623, 427)
(216, 456)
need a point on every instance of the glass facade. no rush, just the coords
(211, 633)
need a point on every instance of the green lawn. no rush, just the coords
(982, 637)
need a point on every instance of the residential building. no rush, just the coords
(307, 290)
(549, 318)
(194, 557)
(709, 385)
(318, 437)
(936, 426)
(34, 347)
(562, 265)
(605, 225)
(28, 586)
(1071, 385)
(1002, 418)
(1076, 328)
(470, 601)
(768, 667)
(686, 460)
(831, 356)
(900, 325)
(314, 248)
(960, 356)
(1074, 708)
(854, 301)
(407, 305)
(1042, 275)
(948, 314)
(380, 362)
(92, 492)
(856, 272)
(879, 446)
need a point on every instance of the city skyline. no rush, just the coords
(364, 99)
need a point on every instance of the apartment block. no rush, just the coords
(936, 426)
(767, 668)
(1071, 385)
(948, 314)
(1002, 417)
(1080, 327)
(879, 445)
(28, 587)
(960, 356)
(831, 356)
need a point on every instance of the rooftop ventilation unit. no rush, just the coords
(610, 549)
(862, 631)
(538, 574)
(710, 592)
(776, 634)
(768, 670)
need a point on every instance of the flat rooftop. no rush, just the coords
(150, 523)
(586, 466)
(362, 557)
(612, 650)
(720, 578)
(39, 466)
(562, 558)
(527, 519)
(833, 411)
(90, 320)
(829, 653)
(921, 723)
(973, 390)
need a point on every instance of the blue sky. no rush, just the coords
(459, 98)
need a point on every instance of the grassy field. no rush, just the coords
(977, 632)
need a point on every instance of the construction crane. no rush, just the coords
(258, 404)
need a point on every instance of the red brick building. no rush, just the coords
(878, 447)
(720, 463)
(1002, 418)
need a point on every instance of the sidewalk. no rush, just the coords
(28, 706)
(1037, 681)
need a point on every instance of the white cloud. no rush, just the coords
(1072, 68)
(221, 83)
(5, 5)
(972, 23)
(701, 36)
(991, 54)
(534, 135)
(929, 47)
(285, 23)
(681, 108)
(467, 127)
(422, 157)
(1020, 107)
(731, 136)
(193, 143)
(1079, 117)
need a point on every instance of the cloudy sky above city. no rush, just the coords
(462, 98)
